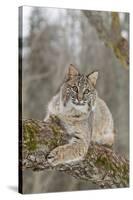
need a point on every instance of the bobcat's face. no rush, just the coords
(80, 90)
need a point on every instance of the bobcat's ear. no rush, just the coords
(71, 71)
(93, 77)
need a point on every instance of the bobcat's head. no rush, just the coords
(79, 90)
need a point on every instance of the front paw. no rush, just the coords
(55, 157)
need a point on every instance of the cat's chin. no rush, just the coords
(80, 107)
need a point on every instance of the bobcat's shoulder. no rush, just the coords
(103, 126)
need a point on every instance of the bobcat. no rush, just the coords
(74, 105)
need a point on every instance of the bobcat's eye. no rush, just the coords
(75, 89)
(86, 91)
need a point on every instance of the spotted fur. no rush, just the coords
(85, 116)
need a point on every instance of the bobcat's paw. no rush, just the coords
(55, 157)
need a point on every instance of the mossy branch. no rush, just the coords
(101, 165)
(111, 36)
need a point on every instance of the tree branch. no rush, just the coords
(112, 37)
(101, 165)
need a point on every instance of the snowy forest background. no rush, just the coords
(52, 39)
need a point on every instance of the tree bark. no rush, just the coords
(101, 165)
(111, 36)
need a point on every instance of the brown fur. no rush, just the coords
(85, 116)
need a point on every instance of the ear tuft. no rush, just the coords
(93, 77)
(72, 71)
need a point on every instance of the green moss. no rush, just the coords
(119, 55)
(55, 129)
(106, 163)
(57, 136)
(30, 130)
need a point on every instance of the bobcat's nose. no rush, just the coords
(81, 102)
(79, 98)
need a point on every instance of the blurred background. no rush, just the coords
(53, 39)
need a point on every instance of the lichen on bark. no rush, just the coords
(112, 36)
(101, 165)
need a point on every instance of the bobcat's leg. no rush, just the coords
(108, 139)
(68, 153)
(105, 138)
